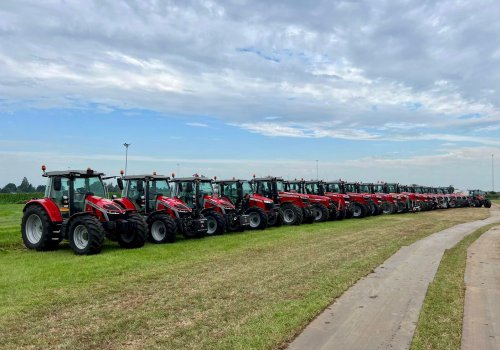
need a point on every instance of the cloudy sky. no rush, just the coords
(404, 91)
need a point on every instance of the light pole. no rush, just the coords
(126, 156)
(493, 172)
(178, 170)
(317, 172)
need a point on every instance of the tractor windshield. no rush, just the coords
(265, 188)
(280, 186)
(293, 187)
(160, 187)
(333, 187)
(350, 187)
(247, 188)
(206, 188)
(378, 188)
(392, 188)
(312, 188)
(230, 190)
(84, 185)
(365, 188)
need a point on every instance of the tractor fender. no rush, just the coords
(125, 203)
(173, 214)
(49, 206)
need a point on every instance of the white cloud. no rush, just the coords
(199, 125)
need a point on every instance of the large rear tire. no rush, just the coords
(320, 212)
(359, 210)
(215, 222)
(134, 238)
(86, 235)
(37, 229)
(276, 219)
(292, 214)
(487, 203)
(162, 229)
(258, 218)
(388, 207)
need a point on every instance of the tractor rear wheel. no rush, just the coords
(373, 209)
(37, 230)
(292, 214)
(162, 229)
(215, 222)
(276, 219)
(134, 238)
(359, 210)
(388, 207)
(487, 203)
(401, 207)
(258, 218)
(320, 212)
(86, 235)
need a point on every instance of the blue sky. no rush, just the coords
(404, 92)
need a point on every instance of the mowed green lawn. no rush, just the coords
(237, 291)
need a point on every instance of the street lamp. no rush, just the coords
(493, 172)
(126, 156)
(317, 172)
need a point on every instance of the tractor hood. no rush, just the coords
(173, 203)
(219, 202)
(258, 197)
(103, 204)
(318, 198)
(294, 195)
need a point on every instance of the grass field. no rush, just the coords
(238, 291)
(18, 198)
(440, 321)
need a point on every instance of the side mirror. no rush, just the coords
(119, 182)
(140, 186)
(57, 184)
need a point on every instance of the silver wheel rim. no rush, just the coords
(81, 237)
(212, 225)
(288, 215)
(318, 214)
(254, 219)
(158, 231)
(357, 211)
(34, 229)
(386, 209)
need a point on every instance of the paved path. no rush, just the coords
(381, 310)
(481, 327)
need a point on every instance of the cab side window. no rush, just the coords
(57, 196)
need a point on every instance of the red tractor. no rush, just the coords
(479, 199)
(375, 202)
(75, 208)
(389, 203)
(295, 206)
(362, 203)
(221, 214)
(323, 207)
(336, 189)
(262, 211)
(166, 215)
(340, 201)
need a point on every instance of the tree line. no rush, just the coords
(27, 187)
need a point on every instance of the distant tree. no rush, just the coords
(40, 188)
(25, 186)
(9, 188)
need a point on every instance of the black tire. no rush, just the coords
(276, 220)
(341, 214)
(359, 210)
(136, 237)
(487, 203)
(373, 209)
(367, 209)
(216, 223)
(401, 207)
(320, 212)
(43, 239)
(349, 212)
(86, 235)
(258, 218)
(388, 207)
(292, 214)
(162, 229)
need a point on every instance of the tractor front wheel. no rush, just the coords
(134, 238)
(37, 231)
(215, 222)
(86, 235)
(487, 203)
(276, 219)
(388, 208)
(258, 218)
(320, 212)
(162, 229)
(292, 214)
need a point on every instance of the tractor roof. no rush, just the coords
(268, 178)
(73, 173)
(146, 176)
(230, 181)
(192, 178)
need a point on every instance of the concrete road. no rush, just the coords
(381, 310)
(481, 327)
